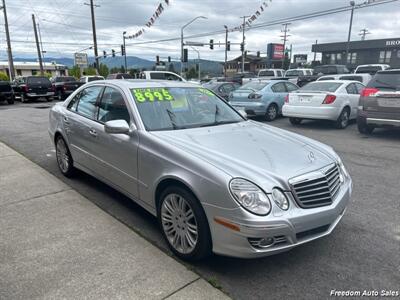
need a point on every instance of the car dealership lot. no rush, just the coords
(361, 254)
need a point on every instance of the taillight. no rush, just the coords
(329, 99)
(254, 96)
(287, 99)
(25, 88)
(369, 92)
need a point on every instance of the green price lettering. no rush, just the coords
(151, 95)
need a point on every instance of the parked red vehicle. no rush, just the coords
(64, 86)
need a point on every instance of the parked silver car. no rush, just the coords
(216, 181)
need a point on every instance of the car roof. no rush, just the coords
(338, 81)
(146, 83)
(372, 65)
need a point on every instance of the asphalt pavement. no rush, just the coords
(361, 254)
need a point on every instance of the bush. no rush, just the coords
(4, 77)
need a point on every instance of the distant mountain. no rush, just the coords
(206, 66)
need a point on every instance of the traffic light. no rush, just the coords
(113, 52)
(169, 59)
(104, 54)
(241, 47)
(157, 59)
(211, 44)
(228, 46)
(122, 50)
(258, 53)
(185, 55)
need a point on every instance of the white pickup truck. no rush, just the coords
(160, 75)
(266, 74)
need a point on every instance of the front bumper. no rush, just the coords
(288, 229)
(251, 108)
(310, 112)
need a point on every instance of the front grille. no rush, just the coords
(311, 232)
(317, 188)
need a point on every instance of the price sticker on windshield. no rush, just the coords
(205, 91)
(152, 95)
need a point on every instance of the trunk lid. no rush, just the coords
(307, 98)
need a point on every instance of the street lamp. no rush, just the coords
(124, 38)
(226, 48)
(84, 49)
(183, 27)
(198, 59)
(352, 3)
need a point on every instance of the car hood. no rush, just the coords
(252, 150)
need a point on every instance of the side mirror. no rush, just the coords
(243, 113)
(117, 127)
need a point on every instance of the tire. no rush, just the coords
(364, 128)
(295, 121)
(192, 224)
(272, 112)
(11, 100)
(59, 96)
(23, 98)
(49, 99)
(64, 158)
(343, 119)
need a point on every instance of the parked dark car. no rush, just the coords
(33, 87)
(238, 77)
(120, 76)
(64, 86)
(379, 104)
(320, 71)
(222, 89)
(6, 92)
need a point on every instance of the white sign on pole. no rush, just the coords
(81, 59)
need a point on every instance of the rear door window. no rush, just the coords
(359, 87)
(351, 89)
(291, 87)
(279, 88)
(87, 102)
(157, 76)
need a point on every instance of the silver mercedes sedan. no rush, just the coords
(216, 181)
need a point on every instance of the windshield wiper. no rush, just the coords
(172, 117)
(219, 123)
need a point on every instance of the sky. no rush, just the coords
(65, 25)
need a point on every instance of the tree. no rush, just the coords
(192, 73)
(103, 70)
(122, 69)
(4, 77)
(75, 71)
(114, 70)
(89, 71)
(133, 72)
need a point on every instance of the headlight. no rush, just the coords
(343, 169)
(280, 199)
(250, 196)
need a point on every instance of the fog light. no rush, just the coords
(266, 242)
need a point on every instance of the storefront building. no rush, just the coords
(383, 51)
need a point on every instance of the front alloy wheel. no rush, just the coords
(184, 224)
(272, 113)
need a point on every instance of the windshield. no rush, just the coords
(386, 81)
(253, 86)
(266, 73)
(321, 87)
(370, 69)
(38, 80)
(179, 108)
(94, 78)
(293, 73)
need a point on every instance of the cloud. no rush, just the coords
(65, 25)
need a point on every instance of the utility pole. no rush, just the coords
(37, 45)
(124, 38)
(284, 39)
(9, 52)
(352, 3)
(96, 55)
(363, 33)
(243, 39)
(226, 49)
(41, 44)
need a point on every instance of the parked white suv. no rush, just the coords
(371, 69)
(293, 74)
(86, 79)
(160, 75)
(266, 74)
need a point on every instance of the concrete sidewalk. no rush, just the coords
(54, 243)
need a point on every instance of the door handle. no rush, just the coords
(93, 132)
(66, 120)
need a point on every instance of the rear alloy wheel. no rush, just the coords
(59, 96)
(49, 99)
(23, 98)
(295, 121)
(184, 224)
(343, 119)
(365, 128)
(272, 112)
(64, 158)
